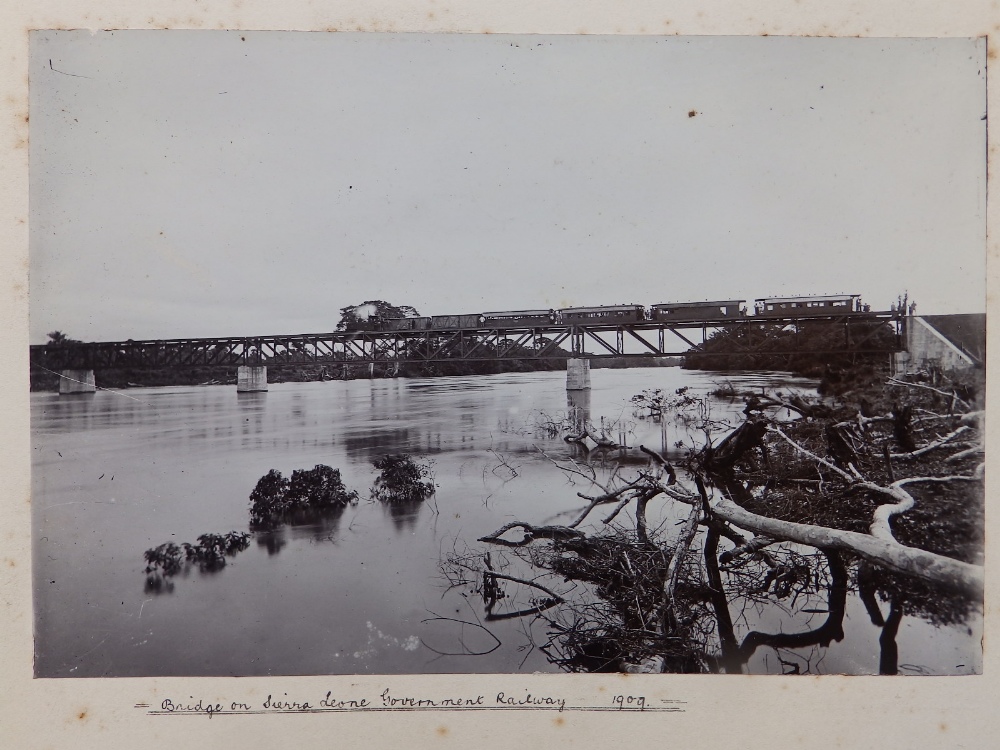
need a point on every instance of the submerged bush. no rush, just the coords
(319, 488)
(164, 560)
(210, 553)
(268, 498)
(212, 549)
(402, 480)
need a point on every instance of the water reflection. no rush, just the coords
(404, 515)
(734, 658)
(158, 585)
(320, 525)
(272, 540)
(373, 442)
(310, 525)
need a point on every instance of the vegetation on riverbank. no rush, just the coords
(808, 349)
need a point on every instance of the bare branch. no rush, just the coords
(933, 446)
(812, 455)
(750, 547)
(466, 652)
(904, 384)
(618, 509)
(662, 463)
(680, 552)
(974, 450)
(538, 586)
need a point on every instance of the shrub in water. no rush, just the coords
(401, 480)
(212, 549)
(209, 553)
(320, 487)
(268, 498)
(274, 497)
(163, 560)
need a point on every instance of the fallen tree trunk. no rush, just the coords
(928, 566)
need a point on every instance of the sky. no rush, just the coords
(201, 183)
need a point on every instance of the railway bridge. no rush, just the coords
(575, 339)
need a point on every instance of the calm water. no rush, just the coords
(361, 592)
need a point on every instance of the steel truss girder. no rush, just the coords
(494, 343)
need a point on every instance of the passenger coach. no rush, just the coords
(512, 318)
(732, 308)
(780, 307)
(607, 314)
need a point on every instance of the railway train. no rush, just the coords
(717, 310)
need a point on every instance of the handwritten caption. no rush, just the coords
(388, 700)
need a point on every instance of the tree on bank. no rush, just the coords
(810, 348)
(58, 338)
(354, 316)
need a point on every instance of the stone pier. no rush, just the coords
(76, 381)
(577, 374)
(578, 408)
(251, 379)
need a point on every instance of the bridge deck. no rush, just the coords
(592, 340)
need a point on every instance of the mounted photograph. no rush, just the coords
(404, 353)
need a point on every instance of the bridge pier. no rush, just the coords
(578, 406)
(578, 375)
(251, 379)
(900, 363)
(76, 381)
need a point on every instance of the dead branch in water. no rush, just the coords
(673, 569)
(530, 534)
(601, 441)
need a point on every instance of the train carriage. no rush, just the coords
(668, 311)
(605, 314)
(400, 324)
(797, 307)
(513, 318)
(454, 322)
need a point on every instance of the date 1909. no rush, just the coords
(626, 702)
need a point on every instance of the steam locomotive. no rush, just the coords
(718, 310)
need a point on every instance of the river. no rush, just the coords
(361, 591)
